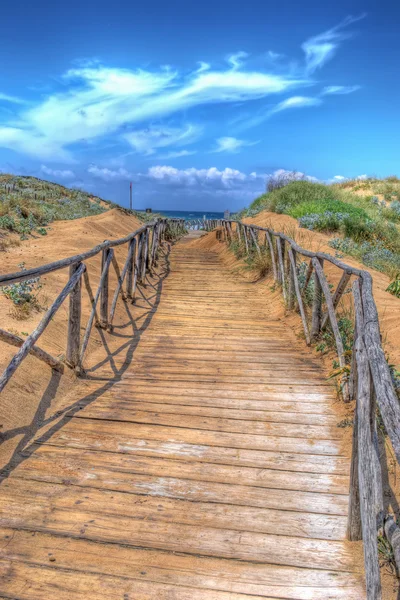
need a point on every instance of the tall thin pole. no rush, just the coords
(130, 195)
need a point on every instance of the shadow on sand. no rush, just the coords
(131, 331)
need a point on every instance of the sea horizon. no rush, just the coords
(190, 214)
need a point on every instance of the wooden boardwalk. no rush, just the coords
(212, 471)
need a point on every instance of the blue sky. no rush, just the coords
(197, 104)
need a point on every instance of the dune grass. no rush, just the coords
(367, 226)
(28, 204)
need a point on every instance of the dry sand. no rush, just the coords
(35, 393)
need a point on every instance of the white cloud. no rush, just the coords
(296, 102)
(33, 144)
(147, 141)
(97, 102)
(100, 101)
(203, 66)
(273, 56)
(109, 174)
(361, 177)
(177, 154)
(321, 48)
(59, 173)
(201, 178)
(339, 89)
(339, 177)
(291, 175)
(236, 59)
(231, 144)
(13, 99)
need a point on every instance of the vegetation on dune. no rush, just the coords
(24, 296)
(394, 287)
(28, 204)
(367, 226)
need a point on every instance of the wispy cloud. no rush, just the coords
(101, 100)
(236, 60)
(296, 102)
(274, 56)
(321, 48)
(176, 154)
(289, 103)
(109, 174)
(12, 99)
(339, 89)
(117, 105)
(58, 173)
(231, 144)
(148, 141)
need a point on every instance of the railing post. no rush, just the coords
(291, 275)
(354, 529)
(317, 305)
(137, 266)
(131, 267)
(281, 271)
(145, 250)
(246, 241)
(272, 252)
(74, 319)
(155, 245)
(104, 291)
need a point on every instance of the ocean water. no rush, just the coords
(190, 214)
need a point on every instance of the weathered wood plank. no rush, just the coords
(205, 472)
(174, 569)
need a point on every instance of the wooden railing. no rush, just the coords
(142, 244)
(206, 224)
(366, 376)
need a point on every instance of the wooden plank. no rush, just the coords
(260, 428)
(90, 502)
(283, 479)
(262, 415)
(309, 463)
(170, 536)
(298, 405)
(205, 472)
(179, 570)
(65, 585)
(93, 433)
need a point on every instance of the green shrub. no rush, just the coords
(32, 203)
(394, 287)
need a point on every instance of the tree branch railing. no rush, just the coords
(141, 259)
(202, 224)
(366, 376)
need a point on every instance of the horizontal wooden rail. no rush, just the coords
(153, 233)
(15, 340)
(365, 376)
(9, 278)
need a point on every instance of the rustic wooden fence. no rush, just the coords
(366, 376)
(206, 224)
(142, 247)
